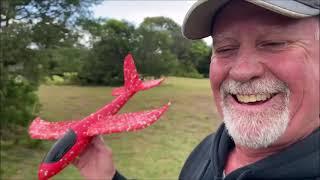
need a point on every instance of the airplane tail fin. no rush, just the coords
(132, 82)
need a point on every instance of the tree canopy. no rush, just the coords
(30, 31)
(157, 45)
(43, 38)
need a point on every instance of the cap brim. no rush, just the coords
(292, 9)
(198, 20)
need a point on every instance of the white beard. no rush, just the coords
(256, 129)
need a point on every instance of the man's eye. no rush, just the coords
(225, 50)
(274, 45)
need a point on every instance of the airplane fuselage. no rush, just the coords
(74, 136)
(76, 139)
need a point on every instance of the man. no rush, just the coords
(264, 74)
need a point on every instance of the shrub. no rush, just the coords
(71, 77)
(67, 78)
(19, 102)
(186, 70)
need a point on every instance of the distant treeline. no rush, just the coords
(45, 41)
(157, 45)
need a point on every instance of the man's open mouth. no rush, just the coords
(252, 99)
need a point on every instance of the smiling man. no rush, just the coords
(264, 74)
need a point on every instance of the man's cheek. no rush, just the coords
(218, 72)
(218, 101)
(216, 96)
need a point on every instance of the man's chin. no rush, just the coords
(255, 130)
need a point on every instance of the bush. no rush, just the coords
(185, 70)
(67, 78)
(54, 80)
(71, 77)
(19, 102)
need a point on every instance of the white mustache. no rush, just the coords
(256, 86)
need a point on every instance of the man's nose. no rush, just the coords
(246, 70)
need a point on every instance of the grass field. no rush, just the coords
(157, 152)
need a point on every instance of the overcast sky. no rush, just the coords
(135, 11)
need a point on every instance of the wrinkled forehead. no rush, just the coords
(229, 32)
(243, 16)
(243, 12)
(306, 29)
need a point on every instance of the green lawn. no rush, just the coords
(157, 152)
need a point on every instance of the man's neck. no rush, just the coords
(241, 156)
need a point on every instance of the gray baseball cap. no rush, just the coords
(198, 21)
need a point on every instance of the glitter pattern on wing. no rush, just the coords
(145, 85)
(151, 83)
(127, 122)
(40, 129)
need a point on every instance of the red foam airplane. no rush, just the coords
(74, 136)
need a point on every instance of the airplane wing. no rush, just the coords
(126, 122)
(40, 129)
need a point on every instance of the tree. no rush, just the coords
(114, 39)
(157, 45)
(183, 57)
(200, 53)
(154, 53)
(19, 75)
(28, 29)
(64, 12)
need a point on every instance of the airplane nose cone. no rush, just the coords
(44, 172)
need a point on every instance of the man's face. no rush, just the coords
(265, 75)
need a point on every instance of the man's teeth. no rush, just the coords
(253, 98)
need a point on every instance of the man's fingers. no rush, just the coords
(98, 141)
(95, 148)
(76, 161)
(101, 138)
(99, 144)
(83, 156)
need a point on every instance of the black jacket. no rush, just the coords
(300, 161)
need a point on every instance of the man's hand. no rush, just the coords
(95, 162)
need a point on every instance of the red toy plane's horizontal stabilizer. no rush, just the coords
(132, 82)
(40, 129)
(151, 83)
(143, 86)
(118, 91)
(126, 122)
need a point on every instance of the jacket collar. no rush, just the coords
(298, 160)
